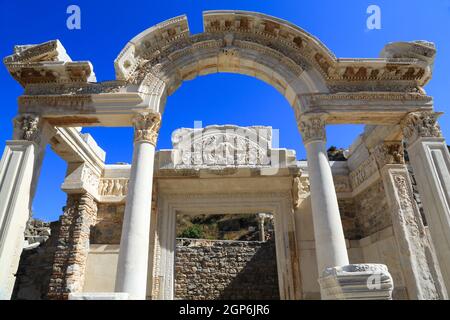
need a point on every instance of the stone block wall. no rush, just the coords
(225, 270)
(372, 208)
(36, 261)
(108, 226)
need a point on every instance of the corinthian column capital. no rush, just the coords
(146, 127)
(28, 127)
(312, 127)
(422, 124)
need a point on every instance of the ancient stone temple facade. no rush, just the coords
(349, 229)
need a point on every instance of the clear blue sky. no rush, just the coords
(106, 26)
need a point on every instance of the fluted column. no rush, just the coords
(134, 245)
(430, 160)
(329, 237)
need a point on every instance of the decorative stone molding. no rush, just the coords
(146, 127)
(71, 255)
(405, 198)
(113, 187)
(363, 172)
(389, 153)
(357, 282)
(47, 63)
(223, 147)
(421, 270)
(421, 50)
(312, 127)
(235, 34)
(421, 125)
(28, 127)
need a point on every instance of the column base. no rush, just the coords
(99, 296)
(356, 282)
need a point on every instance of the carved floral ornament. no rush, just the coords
(421, 125)
(312, 127)
(27, 127)
(389, 153)
(146, 127)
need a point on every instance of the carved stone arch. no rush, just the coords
(293, 61)
(159, 59)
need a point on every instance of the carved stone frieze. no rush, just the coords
(363, 172)
(78, 89)
(90, 178)
(146, 127)
(54, 101)
(168, 48)
(222, 146)
(113, 187)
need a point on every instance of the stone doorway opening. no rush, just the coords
(225, 257)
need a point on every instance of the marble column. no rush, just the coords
(134, 245)
(331, 250)
(430, 160)
(337, 278)
(19, 169)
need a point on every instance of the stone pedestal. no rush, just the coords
(357, 282)
(134, 244)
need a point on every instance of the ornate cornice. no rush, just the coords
(146, 127)
(28, 127)
(421, 125)
(391, 152)
(312, 127)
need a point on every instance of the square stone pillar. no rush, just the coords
(430, 160)
(422, 274)
(19, 169)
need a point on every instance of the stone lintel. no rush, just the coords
(372, 108)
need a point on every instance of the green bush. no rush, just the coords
(193, 232)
